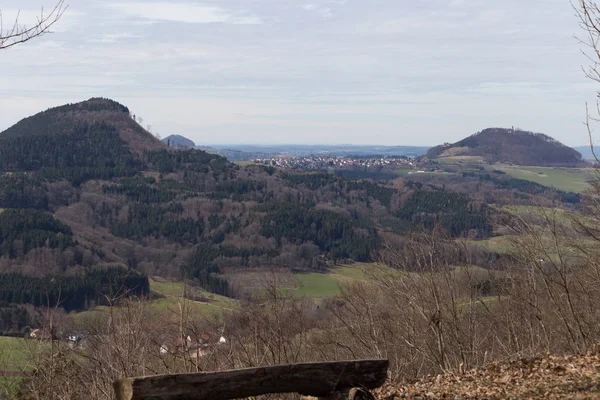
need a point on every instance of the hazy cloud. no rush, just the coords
(183, 12)
(384, 71)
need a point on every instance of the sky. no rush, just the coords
(387, 72)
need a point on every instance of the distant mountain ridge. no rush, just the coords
(178, 141)
(586, 151)
(513, 146)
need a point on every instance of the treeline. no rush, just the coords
(191, 160)
(452, 211)
(158, 221)
(22, 230)
(342, 186)
(21, 191)
(75, 292)
(312, 181)
(240, 190)
(381, 193)
(13, 319)
(361, 174)
(204, 269)
(140, 189)
(333, 233)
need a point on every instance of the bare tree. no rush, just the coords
(588, 13)
(18, 33)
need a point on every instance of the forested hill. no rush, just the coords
(78, 118)
(498, 145)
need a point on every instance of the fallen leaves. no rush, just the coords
(551, 377)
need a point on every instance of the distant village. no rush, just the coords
(325, 162)
(198, 347)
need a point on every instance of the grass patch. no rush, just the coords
(171, 305)
(499, 244)
(15, 353)
(171, 294)
(459, 159)
(245, 163)
(567, 179)
(356, 271)
(176, 289)
(317, 285)
(559, 215)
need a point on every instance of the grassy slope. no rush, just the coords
(328, 284)
(176, 289)
(317, 285)
(460, 159)
(568, 179)
(15, 353)
(170, 295)
(552, 214)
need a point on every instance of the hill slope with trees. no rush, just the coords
(513, 146)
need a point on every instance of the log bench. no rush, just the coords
(326, 380)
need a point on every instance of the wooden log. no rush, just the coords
(310, 379)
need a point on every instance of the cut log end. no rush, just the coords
(123, 389)
(352, 394)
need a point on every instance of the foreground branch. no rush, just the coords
(21, 33)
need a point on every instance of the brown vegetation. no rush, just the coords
(425, 315)
(548, 377)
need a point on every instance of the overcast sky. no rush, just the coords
(392, 72)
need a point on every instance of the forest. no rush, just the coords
(94, 287)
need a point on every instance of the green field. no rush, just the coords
(499, 244)
(176, 289)
(353, 271)
(16, 352)
(328, 284)
(559, 215)
(173, 291)
(317, 285)
(460, 159)
(245, 163)
(357, 271)
(567, 179)
(170, 297)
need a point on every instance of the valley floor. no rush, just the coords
(569, 377)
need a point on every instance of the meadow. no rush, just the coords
(317, 285)
(16, 360)
(567, 179)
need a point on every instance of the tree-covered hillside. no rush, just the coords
(83, 186)
(498, 145)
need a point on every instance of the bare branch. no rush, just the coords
(18, 33)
